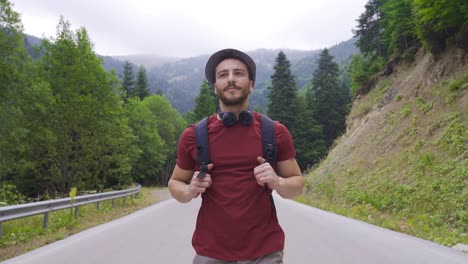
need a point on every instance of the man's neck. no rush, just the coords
(236, 109)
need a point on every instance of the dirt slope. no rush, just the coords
(402, 162)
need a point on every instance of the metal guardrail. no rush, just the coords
(30, 209)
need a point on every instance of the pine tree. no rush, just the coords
(128, 82)
(283, 104)
(141, 87)
(287, 107)
(205, 102)
(310, 144)
(369, 29)
(330, 101)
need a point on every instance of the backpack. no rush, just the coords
(203, 151)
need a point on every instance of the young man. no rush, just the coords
(237, 220)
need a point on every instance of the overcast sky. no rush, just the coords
(183, 28)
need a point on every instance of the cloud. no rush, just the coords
(187, 28)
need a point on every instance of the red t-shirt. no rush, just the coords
(236, 220)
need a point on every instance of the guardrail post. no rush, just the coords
(113, 203)
(97, 205)
(77, 211)
(1, 230)
(46, 220)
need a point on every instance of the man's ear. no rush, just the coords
(251, 86)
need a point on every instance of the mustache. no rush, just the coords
(230, 86)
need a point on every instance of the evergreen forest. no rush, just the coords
(67, 121)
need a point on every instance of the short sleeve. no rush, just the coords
(284, 143)
(186, 148)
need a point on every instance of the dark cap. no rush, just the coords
(215, 59)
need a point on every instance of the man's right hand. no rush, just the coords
(197, 185)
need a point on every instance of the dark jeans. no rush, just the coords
(274, 258)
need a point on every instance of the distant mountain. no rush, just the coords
(31, 43)
(180, 79)
(147, 60)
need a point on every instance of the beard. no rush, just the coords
(233, 101)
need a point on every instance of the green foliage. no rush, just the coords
(93, 142)
(170, 125)
(369, 29)
(128, 80)
(310, 144)
(63, 122)
(322, 106)
(359, 72)
(205, 103)
(23, 103)
(394, 28)
(283, 94)
(326, 187)
(427, 201)
(408, 175)
(12, 52)
(141, 86)
(399, 32)
(9, 195)
(437, 21)
(454, 139)
(405, 111)
(72, 194)
(425, 107)
(459, 84)
(149, 166)
(285, 106)
(362, 69)
(329, 99)
(189, 117)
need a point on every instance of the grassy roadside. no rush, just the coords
(26, 234)
(405, 166)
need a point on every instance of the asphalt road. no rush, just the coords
(162, 234)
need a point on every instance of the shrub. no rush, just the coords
(9, 195)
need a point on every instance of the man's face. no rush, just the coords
(232, 83)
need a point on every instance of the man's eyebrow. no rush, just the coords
(235, 69)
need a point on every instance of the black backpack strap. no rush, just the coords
(268, 139)
(203, 150)
(269, 147)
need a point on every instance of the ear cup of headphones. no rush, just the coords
(229, 119)
(246, 118)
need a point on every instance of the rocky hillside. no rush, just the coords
(402, 163)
